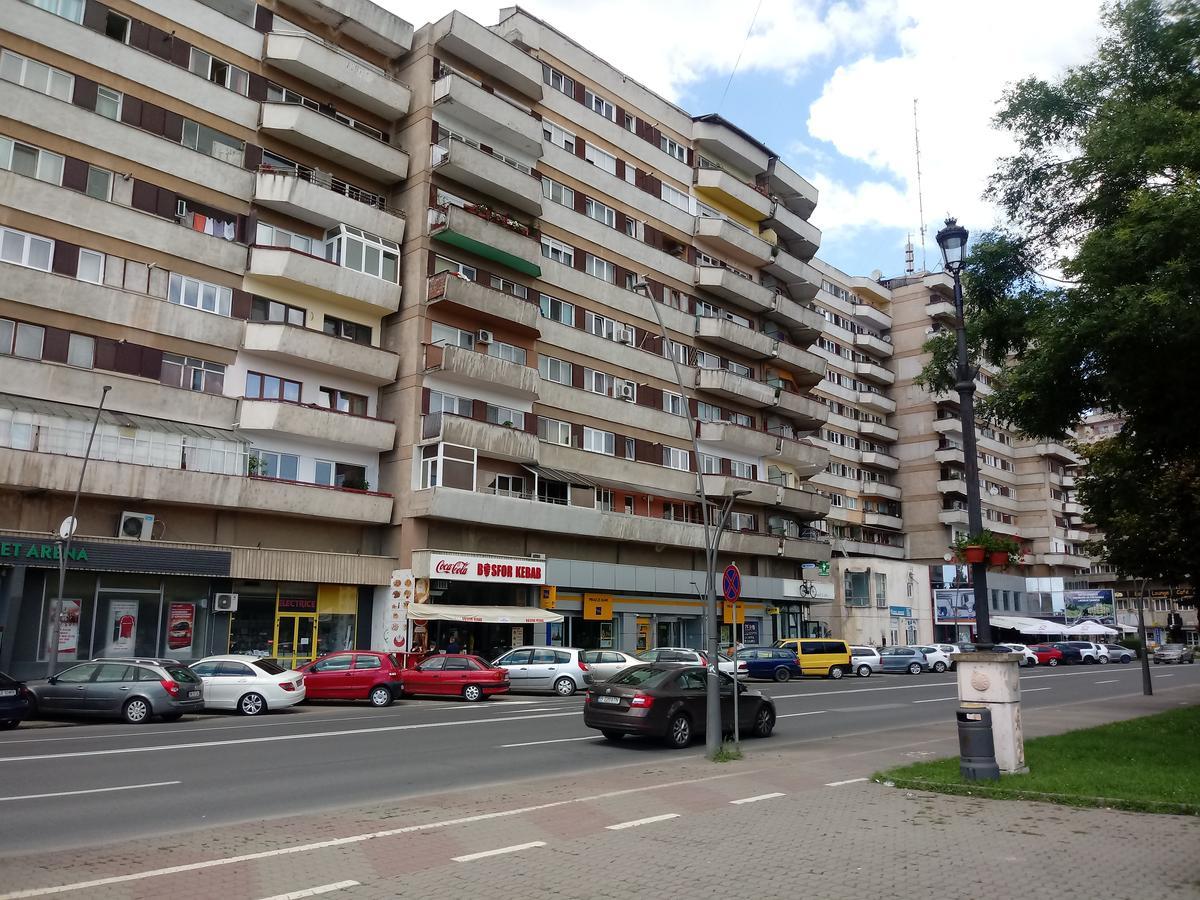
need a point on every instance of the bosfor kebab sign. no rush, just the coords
(494, 569)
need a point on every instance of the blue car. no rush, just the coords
(775, 663)
(903, 659)
(14, 702)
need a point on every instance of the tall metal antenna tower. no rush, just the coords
(920, 194)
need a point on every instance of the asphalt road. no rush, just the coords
(73, 787)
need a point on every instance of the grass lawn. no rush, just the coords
(1147, 764)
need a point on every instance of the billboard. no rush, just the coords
(954, 606)
(1088, 603)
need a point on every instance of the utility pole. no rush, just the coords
(1147, 687)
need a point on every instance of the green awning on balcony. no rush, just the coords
(487, 251)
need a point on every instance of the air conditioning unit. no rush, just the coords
(627, 393)
(484, 336)
(627, 337)
(136, 526)
(225, 602)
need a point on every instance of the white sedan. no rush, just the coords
(248, 684)
(1028, 657)
(939, 659)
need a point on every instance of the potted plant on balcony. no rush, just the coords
(986, 546)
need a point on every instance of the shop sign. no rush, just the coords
(126, 556)
(549, 598)
(181, 625)
(750, 633)
(597, 607)
(900, 612)
(296, 604)
(954, 607)
(32, 551)
(492, 569)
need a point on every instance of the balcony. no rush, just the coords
(947, 426)
(878, 430)
(1054, 450)
(317, 198)
(876, 402)
(954, 486)
(513, 125)
(942, 310)
(802, 279)
(475, 370)
(361, 21)
(323, 352)
(1066, 560)
(491, 440)
(875, 343)
(806, 458)
(737, 438)
(882, 520)
(796, 192)
(1071, 508)
(948, 455)
(343, 75)
(805, 503)
(802, 322)
(716, 137)
(880, 460)
(475, 230)
(732, 240)
(879, 489)
(872, 315)
(316, 423)
(807, 369)
(486, 51)
(731, 386)
(735, 337)
(327, 138)
(806, 413)
(801, 236)
(732, 193)
(953, 517)
(735, 288)
(489, 175)
(314, 277)
(495, 308)
(874, 372)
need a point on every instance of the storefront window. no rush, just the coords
(187, 620)
(126, 622)
(337, 616)
(252, 627)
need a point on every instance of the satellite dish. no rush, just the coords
(876, 275)
(68, 526)
(994, 491)
(949, 557)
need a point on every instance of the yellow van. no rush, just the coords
(819, 656)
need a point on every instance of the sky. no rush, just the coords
(830, 86)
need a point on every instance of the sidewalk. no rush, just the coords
(814, 828)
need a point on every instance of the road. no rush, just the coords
(80, 786)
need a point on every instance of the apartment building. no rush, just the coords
(196, 211)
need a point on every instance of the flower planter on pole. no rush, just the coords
(974, 554)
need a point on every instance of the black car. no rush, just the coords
(14, 702)
(668, 701)
(1070, 654)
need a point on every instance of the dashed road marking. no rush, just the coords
(815, 712)
(647, 821)
(1109, 681)
(935, 700)
(123, 787)
(756, 799)
(315, 891)
(515, 848)
(847, 781)
(590, 737)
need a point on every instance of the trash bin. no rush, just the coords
(976, 748)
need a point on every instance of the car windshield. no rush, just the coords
(269, 666)
(181, 673)
(644, 676)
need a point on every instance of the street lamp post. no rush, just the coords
(953, 241)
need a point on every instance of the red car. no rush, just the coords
(1046, 654)
(457, 674)
(353, 675)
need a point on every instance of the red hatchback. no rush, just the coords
(353, 675)
(1046, 654)
(457, 674)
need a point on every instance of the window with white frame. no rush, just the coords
(25, 249)
(268, 235)
(26, 159)
(559, 193)
(558, 251)
(205, 295)
(676, 197)
(67, 9)
(219, 72)
(213, 143)
(108, 103)
(681, 352)
(600, 268)
(706, 360)
(600, 159)
(454, 267)
(740, 521)
(630, 174)
(674, 458)
(598, 382)
(674, 404)
(502, 415)
(91, 266)
(81, 351)
(603, 326)
(361, 251)
(449, 336)
(738, 368)
(21, 339)
(192, 374)
(36, 76)
(557, 310)
(624, 389)
(558, 136)
(598, 104)
(672, 148)
(707, 310)
(509, 287)
(270, 464)
(557, 80)
(507, 352)
(601, 213)
(117, 27)
(556, 370)
(99, 183)
(554, 431)
(746, 421)
(740, 469)
(440, 402)
(597, 441)
(707, 412)
(709, 464)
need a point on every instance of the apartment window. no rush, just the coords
(99, 183)
(449, 403)
(600, 159)
(630, 123)
(116, 26)
(507, 352)
(881, 588)
(198, 294)
(706, 412)
(454, 267)
(598, 382)
(558, 251)
(555, 370)
(279, 94)
(25, 159)
(271, 387)
(709, 464)
(192, 374)
(36, 76)
(81, 351)
(706, 310)
(212, 142)
(680, 352)
(601, 213)
(108, 103)
(676, 198)
(674, 458)
(347, 330)
(219, 72)
(449, 336)
(740, 521)
(264, 310)
(631, 227)
(557, 310)
(336, 474)
(509, 287)
(674, 404)
(554, 431)
(268, 235)
(706, 360)
(510, 485)
(342, 401)
(630, 449)
(600, 268)
(21, 339)
(746, 421)
(673, 148)
(361, 251)
(362, 127)
(26, 249)
(269, 464)
(600, 105)
(603, 326)
(558, 136)
(557, 80)
(738, 368)
(604, 500)
(596, 441)
(559, 193)
(91, 266)
(740, 469)
(630, 174)
(67, 9)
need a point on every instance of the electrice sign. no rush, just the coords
(731, 583)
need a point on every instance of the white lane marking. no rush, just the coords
(315, 891)
(1033, 690)
(279, 737)
(1167, 676)
(1109, 681)
(935, 700)
(590, 737)
(355, 838)
(756, 799)
(847, 781)
(646, 821)
(486, 853)
(815, 712)
(124, 787)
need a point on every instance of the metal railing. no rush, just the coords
(327, 181)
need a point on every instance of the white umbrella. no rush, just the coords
(1090, 628)
(1034, 627)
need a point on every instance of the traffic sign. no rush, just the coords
(731, 584)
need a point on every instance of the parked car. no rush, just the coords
(604, 664)
(1070, 652)
(774, 663)
(865, 661)
(1028, 657)
(938, 659)
(249, 684)
(130, 689)
(557, 669)
(15, 702)
(1089, 652)
(691, 657)
(1119, 653)
(456, 674)
(904, 659)
(668, 701)
(1174, 653)
(354, 675)
(958, 650)
(820, 656)
(1047, 654)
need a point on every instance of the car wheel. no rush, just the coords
(1052, 662)
(864, 671)
(1103, 660)
(914, 669)
(611, 735)
(679, 731)
(1126, 660)
(764, 722)
(172, 717)
(939, 667)
(782, 674)
(381, 695)
(1157, 662)
(472, 693)
(564, 687)
(136, 711)
(9, 724)
(252, 705)
(835, 672)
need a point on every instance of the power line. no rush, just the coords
(738, 61)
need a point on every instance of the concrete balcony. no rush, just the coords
(878, 430)
(807, 504)
(342, 74)
(1054, 450)
(615, 471)
(942, 310)
(806, 413)
(491, 440)
(495, 308)
(880, 460)
(489, 175)
(738, 438)
(878, 345)
(475, 370)
(953, 517)
(1068, 481)
(802, 237)
(486, 51)
(29, 471)
(954, 486)
(879, 489)
(947, 426)
(807, 369)
(738, 338)
(327, 138)
(733, 241)
(796, 192)
(874, 372)
(1071, 508)
(730, 386)
(1066, 560)
(882, 520)
(513, 125)
(803, 323)
(316, 350)
(315, 277)
(472, 232)
(802, 279)
(949, 455)
(876, 402)
(315, 199)
(731, 192)
(872, 315)
(807, 459)
(361, 21)
(316, 423)
(715, 138)
(734, 288)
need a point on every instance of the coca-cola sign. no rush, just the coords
(492, 569)
(448, 567)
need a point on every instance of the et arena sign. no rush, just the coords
(489, 569)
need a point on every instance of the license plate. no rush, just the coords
(608, 699)
(193, 693)
(9, 693)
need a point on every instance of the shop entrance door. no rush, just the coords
(295, 639)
